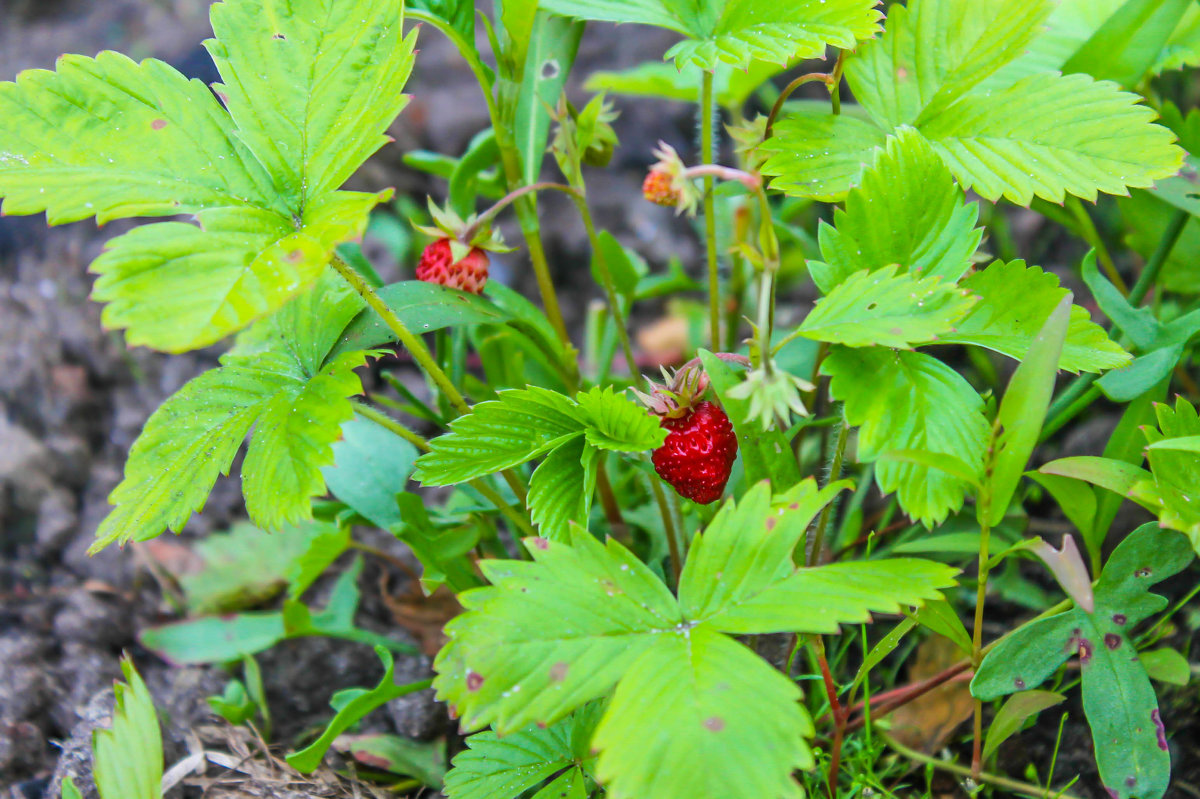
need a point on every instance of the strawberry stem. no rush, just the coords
(707, 113)
(487, 216)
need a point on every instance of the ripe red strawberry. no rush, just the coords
(658, 188)
(699, 452)
(437, 265)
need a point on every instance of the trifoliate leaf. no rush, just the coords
(886, 309)
(551, 634)
(109, 138)
(739, 31)
(504, 767)
(934, 51)
(1015, 300)
(499, 434)
(998, 143)
(266, 382)
(821, 156)
(311, 84)
(699, 714)
(560, 490)
(748, 546)
(907, 211)
(128, 757)
(909, 400)
(616, 422)
(292, 441)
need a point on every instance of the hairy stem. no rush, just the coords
(415, 346)
(835, 471)
(508, 199)
(610, 288)
(708, 112)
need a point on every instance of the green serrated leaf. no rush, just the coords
(740, 738)
(817, 600)
(560, 490)
(909, 400)
(934, 51)
(503, 767)
(820, 156)
(748, 546)
(1176, 469)
(311, 85)
(927, 227)
(128, 757)
(1015, 301)
(110, 138)
(194, 435)
(997, 142)
(551, 634)
(616, 422)
(499, 434)
(739, 31)
(886, 309)
(292, 442)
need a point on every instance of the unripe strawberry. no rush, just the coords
(437, 265)
(658, 188)
(698, 453)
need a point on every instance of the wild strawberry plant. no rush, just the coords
(625, 551)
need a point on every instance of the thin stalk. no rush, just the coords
(664, 508)
(707, 113)
(387, 422)
(508, 199)
(1159, 257)
(811, 77)
(839, 713)
(610, 288)
(608, 501)
(465, 49)
(962, 771)
(835, 85)
(1092, 236)
(415, 346)
(977, 640)
(835, 471)
(526, 207)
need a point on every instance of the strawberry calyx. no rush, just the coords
(683, 389)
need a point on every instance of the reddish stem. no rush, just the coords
(840, 715)
(902, 696)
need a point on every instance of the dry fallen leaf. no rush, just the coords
(928, 721)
